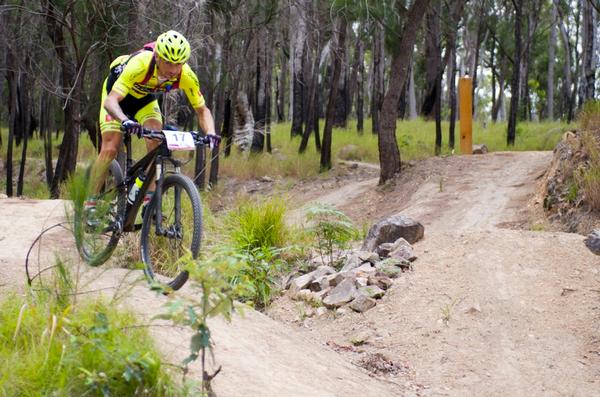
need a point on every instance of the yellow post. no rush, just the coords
(465, 91)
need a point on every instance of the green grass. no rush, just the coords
(48, 349)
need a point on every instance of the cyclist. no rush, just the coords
(129, 98)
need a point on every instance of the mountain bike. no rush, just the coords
(171, 224)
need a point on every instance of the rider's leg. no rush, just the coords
(110, 129)
(111, 140)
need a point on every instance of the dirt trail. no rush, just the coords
(487, 311)
(259, 356)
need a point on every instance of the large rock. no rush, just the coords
(344, 292)
(304, 281)
(404, 252)
(391, 229)
(352, 262)
(592, 241)
(372, 291)
(362, 303)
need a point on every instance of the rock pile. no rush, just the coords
(366, 274)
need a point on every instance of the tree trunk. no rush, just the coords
(67, 157)
(551, 56)
(432, 61)
(566, 96)
(262, 76)
(298, 36)
(514, 94)
(452, 96)
(588, 33)
(360, 89)
(11, 79)
(378, 76)
(46, 133)
(338, 55)
(26, 125)
(412, 97)
(312, 103)
(389, 154)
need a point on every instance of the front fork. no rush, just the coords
(172, 231)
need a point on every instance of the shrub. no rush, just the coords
(333, 230)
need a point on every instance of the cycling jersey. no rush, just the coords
(133, 79)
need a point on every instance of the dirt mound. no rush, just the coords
(490, 309)
(565, 203)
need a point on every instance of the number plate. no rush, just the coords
(177, 140)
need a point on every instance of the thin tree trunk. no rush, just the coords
(46, 133)
(360, 89)
(26, 125)
(11, 79)
(568, 79)
(312, 99)
(588, 33)
(412, 97)
(514, 99)
(298, 36)
(433, 60)
(551, 61)
(389, 154)
(452, 96)
(338, 55)
(378, 75)
(262, 75)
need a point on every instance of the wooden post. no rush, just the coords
(465, 92)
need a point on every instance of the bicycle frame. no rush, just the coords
(153, 163)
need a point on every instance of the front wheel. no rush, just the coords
(179, 232)
(98, 231)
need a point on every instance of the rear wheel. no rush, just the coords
(100, 229)
(179, 234)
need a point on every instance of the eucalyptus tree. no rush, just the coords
(389, 154)
(516, 74)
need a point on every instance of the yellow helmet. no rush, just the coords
(173, 47)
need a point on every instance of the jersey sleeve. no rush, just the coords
(190, 85)
(134, 70)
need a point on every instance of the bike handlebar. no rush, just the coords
(199, 137)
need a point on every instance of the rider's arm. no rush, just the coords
(111, 104)
(191, 87)
(135, 70)
(205, 119)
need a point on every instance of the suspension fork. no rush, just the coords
(160, 171)
(158, 194)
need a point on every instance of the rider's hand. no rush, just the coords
(131, 127)
(213, 140)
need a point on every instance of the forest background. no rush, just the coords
(298, 68)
